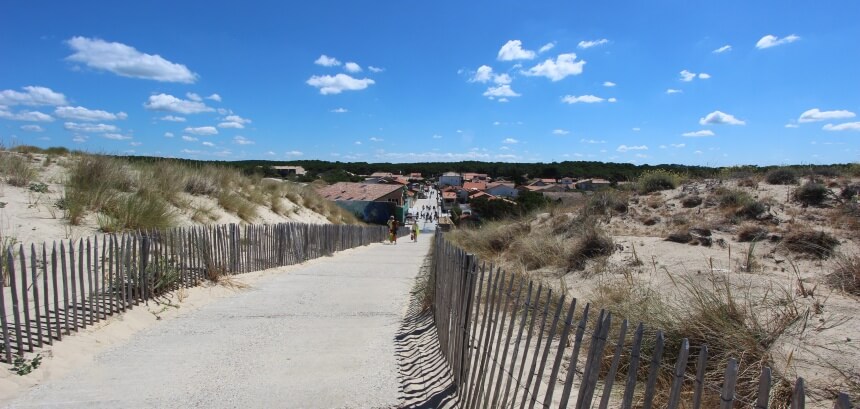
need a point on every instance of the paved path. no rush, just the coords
(319, 336)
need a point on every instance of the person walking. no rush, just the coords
(392, 230)
(415, 232)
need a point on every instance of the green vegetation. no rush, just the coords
(656, 180)
(781, 176)
(16, 169)
(811, 193)
(526, 202)
(23, 366)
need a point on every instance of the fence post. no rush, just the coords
(469, 283)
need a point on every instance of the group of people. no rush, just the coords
(426, 213)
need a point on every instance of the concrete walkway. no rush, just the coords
(319, 336)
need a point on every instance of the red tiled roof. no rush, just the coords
(475, 185)
(449, 195)
(357, 191)
(494, 184)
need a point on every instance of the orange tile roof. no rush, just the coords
(357, 191)
(475, 185)
(449, 195)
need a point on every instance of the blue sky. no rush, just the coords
(718, 83)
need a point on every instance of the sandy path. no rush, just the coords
(320, 336)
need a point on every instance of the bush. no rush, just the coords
(656, 180)
(816, 243)
(850, 191)
(740, 203)
(234, 203)
(691, 201)
(782, 176)
(592, 243)
(847, 275)
(751, 232)
(607, 202)
(16, 169)
(811, 193)
(136, 212)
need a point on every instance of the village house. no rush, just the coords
(592, 184)
(372, 202)
(286, 171)
(450, 179)
(568, 182)
(502, 189)
(475, 177)
(474, 186)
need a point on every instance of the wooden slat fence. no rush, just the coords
(54, 289)
(515, 344)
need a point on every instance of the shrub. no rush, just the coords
(607, 202)
(234, 203)
(781, 176)
(816, 243)
(656, 180)
(847, 275)
(740, 203)
(691, 201)
(748, 182)
(811, 193)
(136, 212)
(199, 183)
(591, 243)
(16, 169)
(681, 236)
(751, 232)
(850, 191)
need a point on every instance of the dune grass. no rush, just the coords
(16, 169)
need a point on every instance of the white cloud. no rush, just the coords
(484, 73)
(76, 127)
(202, 130)
(560, 132)
(135, 143)
(588, 99)
(169, 103)
(509, 141)
(168, 134)
(513, 50)
(375, 69)
(271, 153)
(546, 47)
(502, 100)
(125, 61)
(32, 128)
(233, 125)
(30, 116)
(625, 148)
(187, 138)
(84, 114)
(687, 76)
(815, 115)
(32, 96)
(214, 97)
(608, 84)
(592, 43)
(327, 61)
(592, 141)
(437, 136)
(773, 41)
(116, 137)
(191, 151)
(637, 129)
(673, 91)
(358, 142)
(500, 92)
(697, 152)
(790, 125)
(612, 99)
(340, 110)
(80, 138)
(502, 79)
(241, 140)
(563, 66)
(698, 134)
(209, 144)
(172, 118)
(720, 118)
(704, 75)
(375, 139)
(192, 96)
(678, 145)
(352, 67)
(237, 118)
(294, 153)
(722, 49)
(847, 126)
(336, 84)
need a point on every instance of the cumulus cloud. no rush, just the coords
(194, 97)
(80, 138)
(202, 130)
(209, 144)
(673, 91)
(230, 124)
(500, 92)
(720, 118)
(327, 61)
(352, 67)
(89, 128)
(509, 141)
(815, 115)
(592, 43)
(687, 76)
(214, 97)
(560, 132)
(484, 73)
(29, 116)
(32, 128)
(328, 84)
(722, 49)
(847, 126)
(169, 103)
(546, 47)
(168, 134)
(375, 69)
(32, 96)
(513, 50)
(84, 114)
(116, 137)
(612, 99)
(608, 84)
(293, 153)
(698, 134)
(591, 141)
(636, 129)
(771, 40)
(126, 61)
(625, 148)
(187, 138)
(340, 110)
(791, 125)
(587, 99)
(678, 145)
(172, 118)
(563, 66)
(704, 76)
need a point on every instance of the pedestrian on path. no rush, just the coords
(392, 230)
(415, 232)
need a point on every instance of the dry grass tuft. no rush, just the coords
(751, 232)
(781, 176)
(16, 169)
(811, 242)
(847, 275)
(691, 201)
(811, 193)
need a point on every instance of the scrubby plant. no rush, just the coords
(656, 180)
(751, 232)
(136, 212)
(739, 203)
(811, 242)
(199, 183)
(846, 275)
(691, 201)
(607, 202)
(234, 203)
(16, 169)
(592, 242)
(850, 191)
(811, 193)
(781, 176)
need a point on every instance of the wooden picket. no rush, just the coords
(88, 281)
(507, 347)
